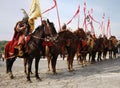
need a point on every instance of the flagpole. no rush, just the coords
(78, 20)
(84, 22)
(58, 15)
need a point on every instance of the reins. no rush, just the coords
(38, 37)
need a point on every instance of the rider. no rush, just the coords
(64, 27)
(21, 30)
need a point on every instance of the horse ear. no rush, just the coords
(48, 21)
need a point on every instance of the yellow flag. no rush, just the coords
(34, 10)
(34, 13)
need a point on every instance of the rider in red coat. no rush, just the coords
(18, 41)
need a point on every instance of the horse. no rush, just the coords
(69, 41)
(97, 48)
(105, 44)
(63, 40)
(51, 32)
(82, 48)
(112, 47)
(34, 48)
(52, 35)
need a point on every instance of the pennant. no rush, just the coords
(51, 7)
(102, 24)
(77, 12)
(108, 28)
(84, 22)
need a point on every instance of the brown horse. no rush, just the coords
(50, 35)
(112, 47)
(82, 46)
(69, 40)
(65, 40)
(34, 49)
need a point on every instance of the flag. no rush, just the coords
(108, 28)
(77, 12)
(55, 3)
(84, 22)
(34, 10)
(34, 13)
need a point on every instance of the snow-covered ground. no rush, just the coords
(105, 74)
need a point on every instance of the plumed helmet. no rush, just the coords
(26, 17)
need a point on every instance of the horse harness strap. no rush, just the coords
(38, 37)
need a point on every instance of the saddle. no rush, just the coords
(12, 49)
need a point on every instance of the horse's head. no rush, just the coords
(49, 28)
(80, 33)
(52, 28)
(39, 32)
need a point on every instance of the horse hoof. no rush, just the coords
(54, 73)
(38, 79)
(31, 72)
(70, 70)
(29, 81)
(12, 77)
(73, 69)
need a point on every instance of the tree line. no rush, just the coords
(2, 46)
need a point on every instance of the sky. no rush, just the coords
(10, 14)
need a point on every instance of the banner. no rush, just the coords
(34, 13)
(77, 12)
(108, 28)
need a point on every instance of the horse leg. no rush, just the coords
(9, 64)
(36, 68)
(93, 57)
(104, 54)
(110, 54)
(48, 57)
(29, 69)
(25, 64)
(85, 62)
(90, 55)
(53, 63)
(71, 62)
(68, 62)
(79, 59)
(82, 60)
(114, 53)
(99, 56)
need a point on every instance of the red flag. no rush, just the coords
(84, 22)
(51, 7)
(77, 12)
(55, 5)
(102, 26)
(93, 18)
(84, 7)
(108, 28)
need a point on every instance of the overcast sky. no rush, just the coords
(10, 13)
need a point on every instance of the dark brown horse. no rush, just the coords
(50, 35)
(34, 49)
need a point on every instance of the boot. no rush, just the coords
(19, 49)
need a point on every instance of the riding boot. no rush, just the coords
(20, 50)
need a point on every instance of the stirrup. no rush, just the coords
(20, 53)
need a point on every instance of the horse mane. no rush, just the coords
(53, 29)
(66, 34)
(80, 33)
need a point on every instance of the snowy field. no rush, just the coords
(104, 74)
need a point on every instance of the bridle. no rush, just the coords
(37, 37)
